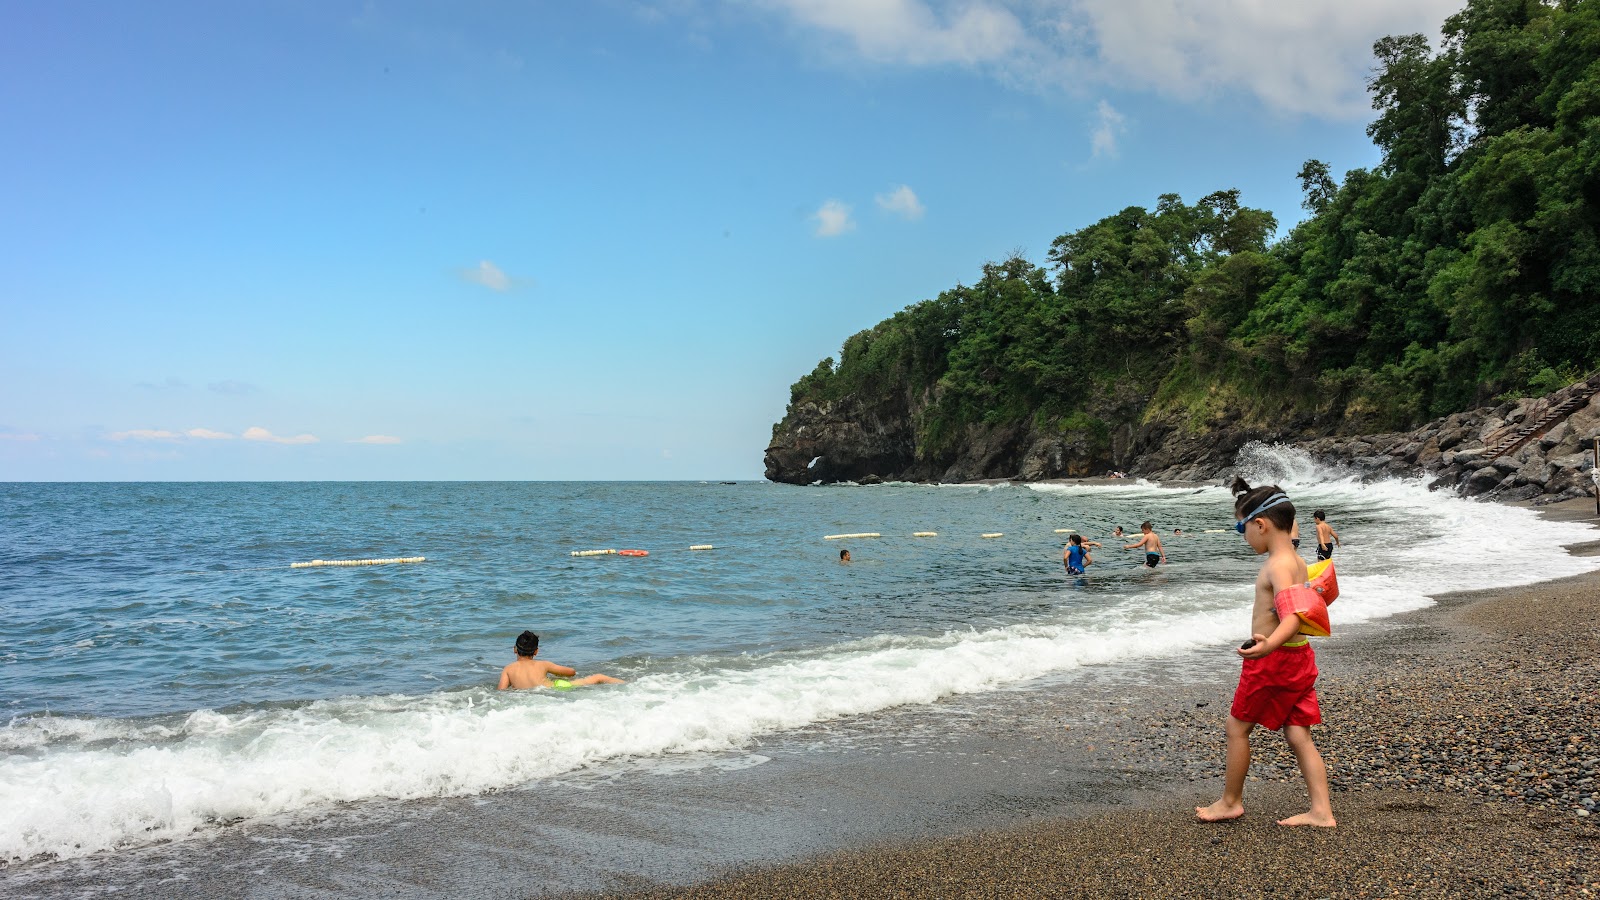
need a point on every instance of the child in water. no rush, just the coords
(1151, 542)
(1076, 556)
(528, 672)
(1277, 685)
(1326, 536)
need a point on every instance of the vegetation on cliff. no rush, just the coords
(1465, 266)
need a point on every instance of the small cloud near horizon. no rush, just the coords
(14, 434)
(145, 434)
(833, 219)
(232, 386)
(172, 383)
(257, 433)
(206, 434)
(903, 202)
(377, 439)
(489, 275)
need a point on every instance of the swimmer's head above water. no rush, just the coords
(527, 644)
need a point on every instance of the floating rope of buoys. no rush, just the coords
(1216, 531)
(594, 553)
(993, 534)
(320, 563)
(859, 534)
(701, 547)
(633, 552)
(1063, 531)
(924, 534)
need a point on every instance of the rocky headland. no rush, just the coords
(1538, 449)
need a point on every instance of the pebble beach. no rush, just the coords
(1463, 751)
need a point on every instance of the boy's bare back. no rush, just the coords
(528, 673)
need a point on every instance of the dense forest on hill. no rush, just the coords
(1464, 267)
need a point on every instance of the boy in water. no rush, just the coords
(1326, 536)
(1076, 556)
(528, 672)
(1151, 542)
(1277, 686)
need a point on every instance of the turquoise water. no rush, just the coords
(163, 670)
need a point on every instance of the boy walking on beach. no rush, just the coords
(1326, 536)
(528, 672)
(1151, 542)
(1277, 686)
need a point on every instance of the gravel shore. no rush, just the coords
(1463, 749)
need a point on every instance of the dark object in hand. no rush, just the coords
(1248, 644)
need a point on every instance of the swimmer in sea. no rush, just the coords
(528, 672)
(844, 556)
(1117, 532)
(1154, 554)
(1076, 556)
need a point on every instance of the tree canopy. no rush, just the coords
(1463, 267)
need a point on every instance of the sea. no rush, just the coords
(165, 672)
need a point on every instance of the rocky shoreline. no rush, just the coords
(841, 443)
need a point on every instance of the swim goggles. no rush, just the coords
(1266, 504)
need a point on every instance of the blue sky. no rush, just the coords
(556, 240)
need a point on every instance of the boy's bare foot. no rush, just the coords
(1320, 820)
(1219, 812)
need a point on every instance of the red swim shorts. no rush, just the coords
(1278, 689)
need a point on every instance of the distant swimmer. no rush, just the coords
(844, 556)
(1177, 532)
(1117, 532)
(528, 672)
(1326, 536)
(1076, 556)
(1151, 542)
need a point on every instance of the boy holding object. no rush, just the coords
(528, 672)
(1151, 542)
(1277, 686)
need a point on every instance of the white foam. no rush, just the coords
(70, 787)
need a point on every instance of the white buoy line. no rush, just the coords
(393, 560)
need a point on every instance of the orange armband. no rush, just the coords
(1305, 604)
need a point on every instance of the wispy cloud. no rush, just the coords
(489, 275)
(903, 202)
(1297, 58)
(15, 434)
(206, 434)
(257, 433)
(145, 434)
(1109, 126)
(233, 387)
(833, 219)
(377, 439)
(170, 383)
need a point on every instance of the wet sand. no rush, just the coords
(1461, 742)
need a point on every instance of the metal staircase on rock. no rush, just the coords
(1552, 417)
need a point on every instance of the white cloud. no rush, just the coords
(145, 434)
(903, 202)
(1307, 57)
(7, 434)
(833, 219)
(489, 275)
(377, 439)
(257, 433)
(1109, 126)
(910, 31)
(206, 434)
(232, 386)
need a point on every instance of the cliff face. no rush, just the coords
(842, 441)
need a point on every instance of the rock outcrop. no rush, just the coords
(843, 441)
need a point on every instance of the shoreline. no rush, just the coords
(1446, 783)
(1043, 788)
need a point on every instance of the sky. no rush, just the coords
(331, 240)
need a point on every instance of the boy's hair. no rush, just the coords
(843, 553)
(1247, 500)
(1319, 514)
(1146, 526)
(527, 644)
(1075, 538)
